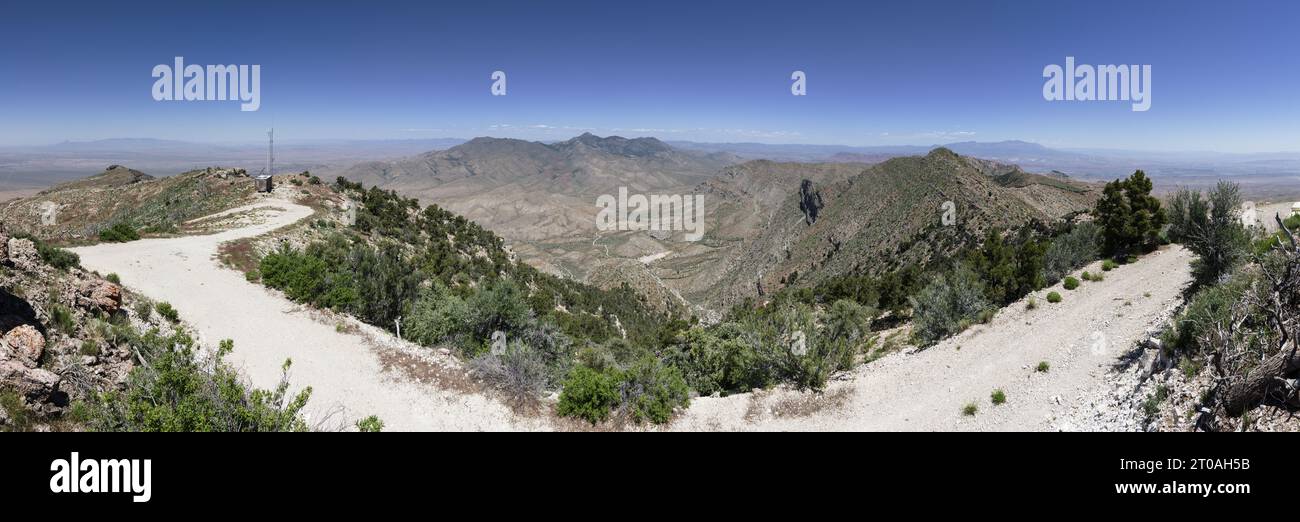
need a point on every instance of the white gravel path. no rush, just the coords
(1080, 338)
(345, 370)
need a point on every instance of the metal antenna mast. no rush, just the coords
(270, 152)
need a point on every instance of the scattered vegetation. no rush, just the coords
(168, 312)
(1043, 367)
(998, 397)
(1053, 297)
(1071, 283)
(176, 390)
(370, 424)
(1070, 251)
(120, 232)
(1151, 406)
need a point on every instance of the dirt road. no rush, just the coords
(358, 372)
(1079, 338)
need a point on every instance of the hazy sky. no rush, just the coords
(1225, 75)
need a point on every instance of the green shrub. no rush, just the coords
(90, 348)
(1008, 270)
(970, 409)
(1211, 229)
(1086, 276)
(120, 232)
(62, 319)
(1263, 245)
(179, 391)
(722, 360)
(519, 371)
(113, 278)
(370, 424)
(1053, 297)
(1151, 406)
(998, 397)
(500, 305)
(1070, 251)
(946, 305)
(1206, 311)
(1108, 265)
(652, 390)
(12, 404)
(143, 309)
(1043, 367)
(168, 312)
(253, 276)
(1071, 283)
(589, 394)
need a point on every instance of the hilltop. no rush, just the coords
(890, 215)
(77, 211)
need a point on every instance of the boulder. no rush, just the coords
(34, 384)
(99, 295)
(23, 254)
(26, 343)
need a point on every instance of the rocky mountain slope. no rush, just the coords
(764, 220)
(533, 191)
(887, 216)
(76, 211)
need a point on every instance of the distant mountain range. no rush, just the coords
(1263, 175)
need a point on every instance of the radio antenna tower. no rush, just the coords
(270, 152)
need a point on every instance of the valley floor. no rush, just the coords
(357, 370)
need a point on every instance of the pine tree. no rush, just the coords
(1130, 217)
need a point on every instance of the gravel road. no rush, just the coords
(355, 373)
(1080, 338)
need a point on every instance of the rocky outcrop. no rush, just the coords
(96, 294)
(810, 201)
(22, 254)
(33, 384)
(23, 344)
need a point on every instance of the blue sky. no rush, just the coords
(1225, 75)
